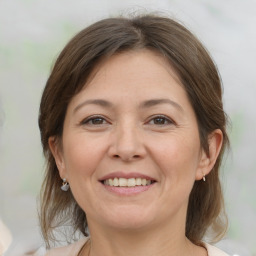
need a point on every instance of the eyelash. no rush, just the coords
(163, 117)
(91, 119)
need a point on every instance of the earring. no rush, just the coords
(204, 179)
(65, 185)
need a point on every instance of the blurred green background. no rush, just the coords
(32, 33)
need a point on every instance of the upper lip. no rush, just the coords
(126, 175)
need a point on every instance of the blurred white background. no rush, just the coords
(32, 33)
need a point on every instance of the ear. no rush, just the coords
(207, 161)
(57, 153)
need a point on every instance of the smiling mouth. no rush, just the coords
(131, 182)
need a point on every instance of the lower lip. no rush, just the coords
(127, 191)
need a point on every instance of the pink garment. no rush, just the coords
(73, 249)
(69, 250)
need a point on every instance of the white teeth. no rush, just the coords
(122, 182)
(116, 182)
(131, 182)
(138, 181)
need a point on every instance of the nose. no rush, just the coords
(127, 143)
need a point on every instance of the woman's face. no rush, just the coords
(130, 146)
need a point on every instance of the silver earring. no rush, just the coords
(204, 179)
(65, 185)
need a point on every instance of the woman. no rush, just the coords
(133, 130)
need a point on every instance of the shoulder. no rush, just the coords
(214, 251)
(69, 250)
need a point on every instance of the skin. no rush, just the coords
(160, 140)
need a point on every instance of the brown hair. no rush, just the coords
(199, 77)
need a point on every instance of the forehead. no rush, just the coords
(131, 78)
(134, 67)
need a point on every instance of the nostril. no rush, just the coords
(127, 158)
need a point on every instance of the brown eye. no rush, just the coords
(160, 120)
(94, 121)
(97, 121)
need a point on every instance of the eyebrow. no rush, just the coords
(144, 104)
(154, 102)
(99, 102)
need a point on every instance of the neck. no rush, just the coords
(161, 241)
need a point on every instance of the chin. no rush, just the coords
(129, 219)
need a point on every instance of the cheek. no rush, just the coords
(177, 156)
(82, 155)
